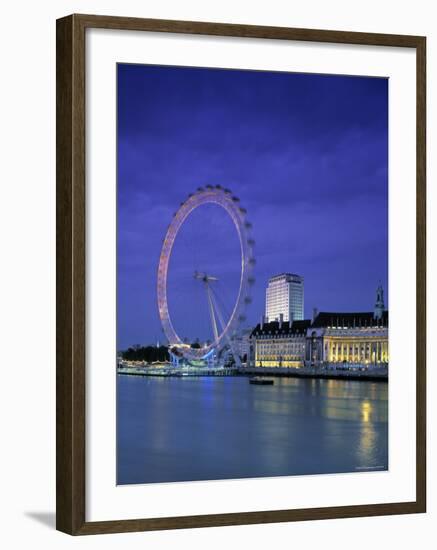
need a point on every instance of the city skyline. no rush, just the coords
(310, 167)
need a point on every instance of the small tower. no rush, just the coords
(379, 305)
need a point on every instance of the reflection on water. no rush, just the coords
(172, 429)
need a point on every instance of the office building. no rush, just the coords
(285, 296)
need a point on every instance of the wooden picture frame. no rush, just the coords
(71, 254)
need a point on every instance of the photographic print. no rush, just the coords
(252, 274)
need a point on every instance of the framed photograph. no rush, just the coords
(240, 274)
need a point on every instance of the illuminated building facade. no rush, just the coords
(349, 338)
(279, 343)
(285, 296)
(352, 338)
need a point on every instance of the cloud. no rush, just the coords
(306, 154)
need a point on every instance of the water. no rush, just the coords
(185, 429)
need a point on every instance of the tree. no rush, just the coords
(146, 353)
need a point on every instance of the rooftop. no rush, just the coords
(285, 276)
(295, 327)
(349, 319)
(323, 319)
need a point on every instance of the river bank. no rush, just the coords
(370, 374)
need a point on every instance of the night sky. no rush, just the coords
(307, 156)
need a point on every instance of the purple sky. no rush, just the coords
(306, 154)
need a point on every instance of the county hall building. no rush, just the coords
(329, 339)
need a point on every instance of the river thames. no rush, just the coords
(204, 428)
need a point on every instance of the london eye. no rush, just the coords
(224, 325)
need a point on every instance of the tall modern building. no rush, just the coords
(284, 298)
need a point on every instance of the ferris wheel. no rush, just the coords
(224, 328)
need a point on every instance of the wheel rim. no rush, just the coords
(224, 198)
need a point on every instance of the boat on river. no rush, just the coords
(261, 381)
